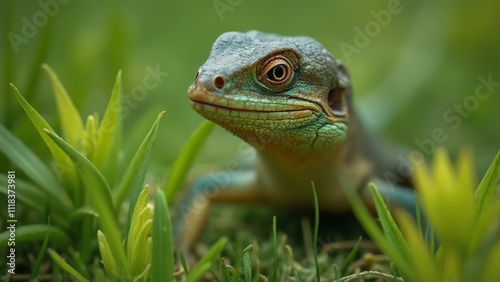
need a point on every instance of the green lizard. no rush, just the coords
(291, 100)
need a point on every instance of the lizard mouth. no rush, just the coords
(246, 106)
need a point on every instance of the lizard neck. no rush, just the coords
(352, 150)
(313, 160)
(291, 175)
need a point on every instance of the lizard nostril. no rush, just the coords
(219, 82)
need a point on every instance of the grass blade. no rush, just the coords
(82, 212)
(391, 230)
(109, 132)
(41, 255)
(34, 198)
(336, 272)
(274, 276)
(78, 262)
(486, 190)
(64, 165)
(138, 242)
(98, 274)
(247, 266)
(162, 268)
(205, 262)
(98, 190)
(90, 137)
(483, 226)
(20, 155)
(348, 260)
(184, 263)
(65, 266)
(107, 257)
(136, 171)
(97, 187)
(316, 228)
(198, 272)
(36, 232)
(186, 158)
(56, 273)
(71, 121)
(426, 270)
(373, 230)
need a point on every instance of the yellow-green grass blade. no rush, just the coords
(185, 159)
(373, 230)
(163, 260)
(64, 166)
(64, 265)
(204, 263)
(71, 121)
(423, 260)
(98, 195)
(136, 171)
(486, 190)
(107, 257)
(134, 174)
(196, 274)
(109, 132)
(139, 239)
(90, 138)
(389, 227)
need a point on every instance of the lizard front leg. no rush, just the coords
(192, 212)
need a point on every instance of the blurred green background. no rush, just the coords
(411, 72)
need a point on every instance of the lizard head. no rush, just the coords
(282, 94)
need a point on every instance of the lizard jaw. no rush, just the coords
(286, 125)
(240, 106)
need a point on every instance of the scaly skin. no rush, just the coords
(290, 99)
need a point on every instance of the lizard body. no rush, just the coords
(291, 100)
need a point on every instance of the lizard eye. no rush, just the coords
(276, 73)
